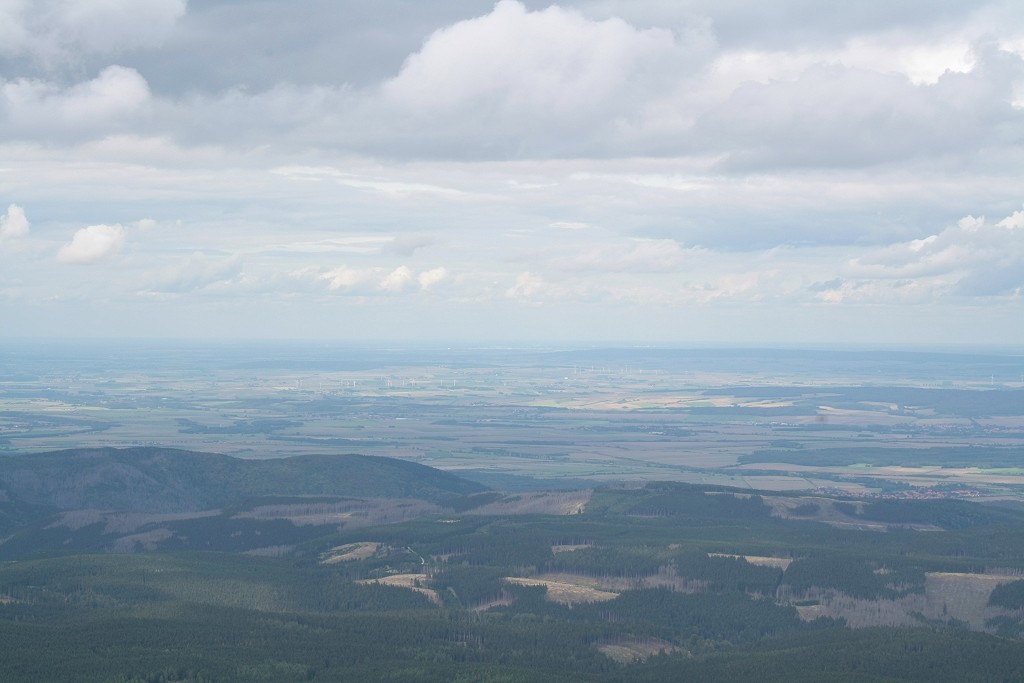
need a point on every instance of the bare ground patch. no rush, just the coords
(351, 514)
(564, 592)
(759, 560)
(270, 551)
(825, 510)
(947, 596)
(555, 549)
(349, 552)
(122, 522)
(147, 540)
(961, 596)
(539, 503)
(410, 581)
(629, 652)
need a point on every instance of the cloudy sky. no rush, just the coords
(637, 171)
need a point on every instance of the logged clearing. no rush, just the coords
(825, 510)
(759, 560)
(147, 540)
(539, 503)
(122, 522)
(503, 601)
(809, 612)
(628, 652)
(409, 581)
(565, 592)
(947, 596)
(962, 596)
(352, 551)
(555, 549)
(863, 613)
(350, 513)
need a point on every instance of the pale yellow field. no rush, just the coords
(761, 561)
(352, 551)
(564, 592)
(409, 581)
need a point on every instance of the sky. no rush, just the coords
(593, 171)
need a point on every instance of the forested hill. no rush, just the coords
(168, 480)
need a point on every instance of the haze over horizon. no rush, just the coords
(619, 172)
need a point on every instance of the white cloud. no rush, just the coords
(377, 280)
(348, 279)
(834, 115)
(1013, 222)
(13, 223)
(516, 81)
(397, 280)
(815, 153)
(92, 244)
(38, 108)
(553, 59)
(430, 278)
(972, 257)
(527, 286)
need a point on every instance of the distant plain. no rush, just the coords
(854, 420)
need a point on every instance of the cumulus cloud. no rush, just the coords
(974, 257)
(833, 115)
(397, 280)
(377, 280)
(33, 107)
(527, 286)
(553, 59)
(348, 279)
(560, 82)
(430, 278)
(1013, 222)
(527, 81)
(13, 223)
(92, 244)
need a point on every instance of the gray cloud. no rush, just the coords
(31, 108)
(52, 34)
(653, 157)
(836, 116)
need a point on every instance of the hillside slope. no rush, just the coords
(168, 480)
